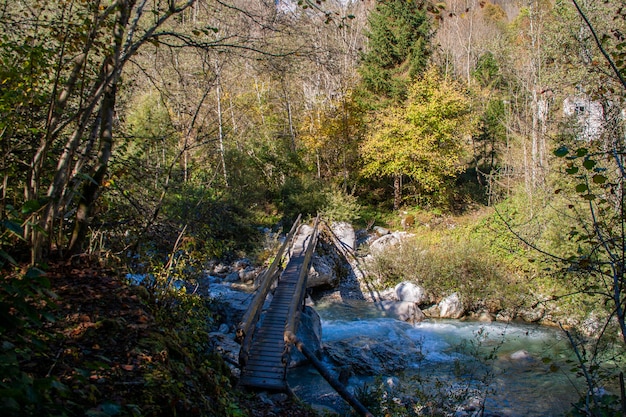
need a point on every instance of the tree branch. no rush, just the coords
(599, 44)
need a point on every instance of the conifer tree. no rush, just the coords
(397, 48)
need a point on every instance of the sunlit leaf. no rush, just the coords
(589, 164)
(30, 207)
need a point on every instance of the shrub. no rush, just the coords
(340, 207)
(450, 264)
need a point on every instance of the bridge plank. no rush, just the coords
(264, 368)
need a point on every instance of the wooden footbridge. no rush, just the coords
(266, 338)
(264, 353)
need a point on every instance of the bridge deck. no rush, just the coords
(265, 368)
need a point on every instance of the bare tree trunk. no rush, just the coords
(534, 133)
(397, 191)
(92, 187)
(111, 71)
(220, 127)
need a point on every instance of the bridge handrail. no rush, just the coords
(293, 318)
(245, 328)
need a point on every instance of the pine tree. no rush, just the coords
(397, 48)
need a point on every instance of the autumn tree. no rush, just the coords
(65, 64)
(424, 138)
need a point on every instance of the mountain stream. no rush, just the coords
(517, 369)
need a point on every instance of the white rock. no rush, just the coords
(403, 310)
(451, 307)
(521, 355)
(408, 291)
(345, 234)
(381, 231)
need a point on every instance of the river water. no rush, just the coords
(519, 370)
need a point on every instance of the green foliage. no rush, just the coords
(397, 49)
(487, 71)
(453, 263)
(301, 195)
(423, 139)
(189, 379)
(25, 306)
(331, 139)
(341, 207)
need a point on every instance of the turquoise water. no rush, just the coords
(518, 369)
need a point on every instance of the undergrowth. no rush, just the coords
(78, 341)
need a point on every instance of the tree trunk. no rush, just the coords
(112, 68)
(220, 127)
(397, 191)
(92, 187)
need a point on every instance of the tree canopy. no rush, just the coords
(397, 48)
(424, 138)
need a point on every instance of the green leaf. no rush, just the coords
(589, 197)
(589, 164)
(30, 207)
(34, 273)
(599, 179)
(86, 177)
(572, 170)
(7, 257)
(581, 188)
(14, 228)
(580, 152)
(561, 152)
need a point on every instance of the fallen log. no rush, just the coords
(334, 382)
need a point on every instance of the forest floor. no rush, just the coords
(107, 353)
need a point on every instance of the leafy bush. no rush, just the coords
(25, 306)
(340, 207)
(301, 196)
(448, 263)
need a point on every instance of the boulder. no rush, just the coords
(228, 349)
(380, 231)
(373, 356)
(322, 273)
(484, 317)
(344, 232)
(231, 304)
(249, 274)
(388, 241)
(310, 332)
(408, 291)
(403, 310)
(532, 315)
(388, 294)
(451, 307)
(521, 355)
(232, 277)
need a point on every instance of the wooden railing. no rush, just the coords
(245, 329)
(291, 328)
(297, 303)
